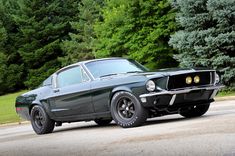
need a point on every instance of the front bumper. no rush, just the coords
(184, 95)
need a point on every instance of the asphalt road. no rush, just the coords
(210, 135)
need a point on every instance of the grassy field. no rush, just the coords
(7, 108)
(8, 113)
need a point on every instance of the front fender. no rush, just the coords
(135, 88)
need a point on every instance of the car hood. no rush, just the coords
(178, 71)
(163, 72)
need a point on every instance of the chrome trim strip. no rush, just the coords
(57, 110)
(181, 91)
(167, 82)
(84, 72)
(214, 93)
(54, 84)
(172, 99)
(210, 77)
(214, 77)
(87, 70)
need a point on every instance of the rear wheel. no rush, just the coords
(195, 111)
(103, 122)
(40, 121)
(127, 111)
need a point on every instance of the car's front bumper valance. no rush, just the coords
(181, 91)
(184, 95)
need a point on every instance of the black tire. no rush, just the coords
(40, 121)
(103, 122)
(195, 111)
(127, 111)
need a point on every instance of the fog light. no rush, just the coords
(143, 100)
(196, 79)
(188, 80)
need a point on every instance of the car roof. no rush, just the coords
(88, 61)
(102, 59)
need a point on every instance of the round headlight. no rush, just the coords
(150, 86)
(196, 79)
(188, 80)
(217, 79)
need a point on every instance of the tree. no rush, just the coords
(11, 69)
(207, 38)
(43, 25)
(80, 45)
(137, 29)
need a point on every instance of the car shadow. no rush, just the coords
(84, 127)
(149, 122)
(158, 120)
(175, 118)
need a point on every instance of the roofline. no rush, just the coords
(87, 61)
(101, 59)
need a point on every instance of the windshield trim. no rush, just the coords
(130, 60)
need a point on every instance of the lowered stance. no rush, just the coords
(116, 89)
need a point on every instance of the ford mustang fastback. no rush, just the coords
(117, 89)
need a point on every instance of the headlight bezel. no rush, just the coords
(150, 85)
(217, 78)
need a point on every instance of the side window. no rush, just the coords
(70, 76)
(47, 82)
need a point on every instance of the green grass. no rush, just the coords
(226, 93)
(7, 108)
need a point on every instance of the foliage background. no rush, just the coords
(207, 36)
(38, 37)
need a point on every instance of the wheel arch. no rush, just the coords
(34, 104)
(118, 89)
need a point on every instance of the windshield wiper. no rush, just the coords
(120, 73)
(108, 75)
(134, 72)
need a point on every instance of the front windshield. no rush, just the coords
(113, 66)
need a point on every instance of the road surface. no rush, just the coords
(210, 135)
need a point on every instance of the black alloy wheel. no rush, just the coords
(125, 108)
(127, 111)
(40, 121)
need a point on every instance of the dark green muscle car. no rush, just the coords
(116, 89)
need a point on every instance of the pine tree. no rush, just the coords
(43, 26)
(137, 29)
(207, 37)
(11, 69)
(80, 45)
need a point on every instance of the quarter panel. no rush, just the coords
(34, 97)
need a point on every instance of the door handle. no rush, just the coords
(56, 90)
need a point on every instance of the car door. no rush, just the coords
(71, 95)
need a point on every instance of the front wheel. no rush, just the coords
(127, 111)
(195, 111)
(40, 121)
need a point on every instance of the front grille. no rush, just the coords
(179, 81)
